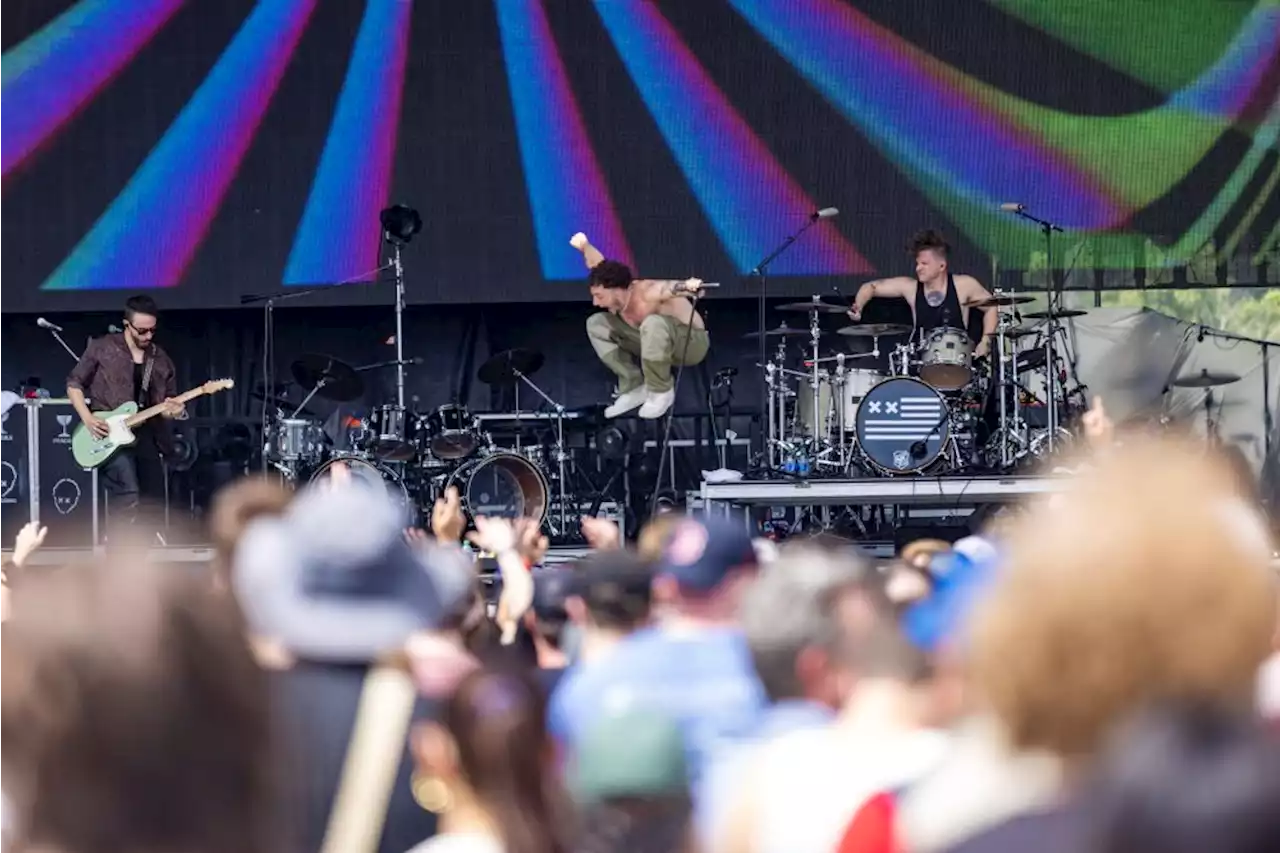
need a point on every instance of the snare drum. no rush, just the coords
(453, 432)
(390, 437)
(857, 383)
(946, 359)
(296, 440)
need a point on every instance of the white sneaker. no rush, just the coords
(657, 404)
(628, 401)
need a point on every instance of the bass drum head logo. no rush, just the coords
(902, 459)
(66, 496)
(8, 481)
(4, 430)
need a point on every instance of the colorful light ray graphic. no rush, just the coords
(338, 238)
(150, 232)
(567, 190)
(748, 197)
(970, 146)
(48, 77)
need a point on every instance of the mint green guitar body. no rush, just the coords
(91, 451)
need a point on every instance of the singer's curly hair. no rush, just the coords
(611, 274)
(929, 239)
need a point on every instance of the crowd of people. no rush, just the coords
(1092, 671)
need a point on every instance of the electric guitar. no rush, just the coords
(91, 451)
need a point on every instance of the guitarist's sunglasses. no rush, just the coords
(148, 331)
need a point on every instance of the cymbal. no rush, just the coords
(502, 368)
(781, 331)
(1018, 331)
(820, 307)
(874, 330)
(999, 300)
(1205, 379)
(1062, 314)
(340, 381)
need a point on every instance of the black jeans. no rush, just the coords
(136, 474)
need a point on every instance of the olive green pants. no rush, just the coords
(659, 342)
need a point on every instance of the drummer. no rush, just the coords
(937, 298)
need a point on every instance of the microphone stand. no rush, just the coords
(761, 270)
(269, 301)
(1265, 346)
(58, 337)
(1051, 379)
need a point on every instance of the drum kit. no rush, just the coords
(922, 405)
(417, 455)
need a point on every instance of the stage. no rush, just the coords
(940, 492)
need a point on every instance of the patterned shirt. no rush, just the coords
(105, 375)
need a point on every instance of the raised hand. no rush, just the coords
(28, 541)
(530, 541)
(495, 535)
(447, 520)
(579, 241)
(601, 533)
(1098, 428)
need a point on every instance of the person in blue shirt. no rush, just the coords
(693, 665)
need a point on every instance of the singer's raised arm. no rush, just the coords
(590, 253)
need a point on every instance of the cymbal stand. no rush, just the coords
(560, 454)
(837, 393)
(1051, 322)
(814, 379)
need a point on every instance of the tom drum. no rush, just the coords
(946, 359)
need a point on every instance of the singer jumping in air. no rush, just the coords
(937, 298)
(652, 320)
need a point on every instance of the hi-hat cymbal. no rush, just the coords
(819, 307)
(337, 380)
(999, 300)
(1061, 314)
(874, 330)
(780, 332)
(1205, 379)
(502, 369)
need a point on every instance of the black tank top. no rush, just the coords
(946, 313)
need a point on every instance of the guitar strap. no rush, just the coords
(146, 375)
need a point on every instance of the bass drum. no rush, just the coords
(902, 426)
(365, 471)
(502, 484)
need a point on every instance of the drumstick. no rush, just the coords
(590, 253)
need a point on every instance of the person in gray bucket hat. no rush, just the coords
(334, 578)
(338, 593)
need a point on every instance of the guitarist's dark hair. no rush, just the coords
(142, 304)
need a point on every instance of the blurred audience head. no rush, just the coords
(490, 759)
(706, 564)
(793, 620)
(654, 535)
(143, 717)
(234, 508)
(610, 593)
(334, 580)
(631, 782)
(1146, 579)
(1185, 779)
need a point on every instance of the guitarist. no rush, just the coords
(114, 370)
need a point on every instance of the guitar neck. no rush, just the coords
(149, 413)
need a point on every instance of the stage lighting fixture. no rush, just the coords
(400, 223)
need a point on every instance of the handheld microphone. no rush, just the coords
(45, 324)
(825, 213)
(1013, 206)
(112, 328)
